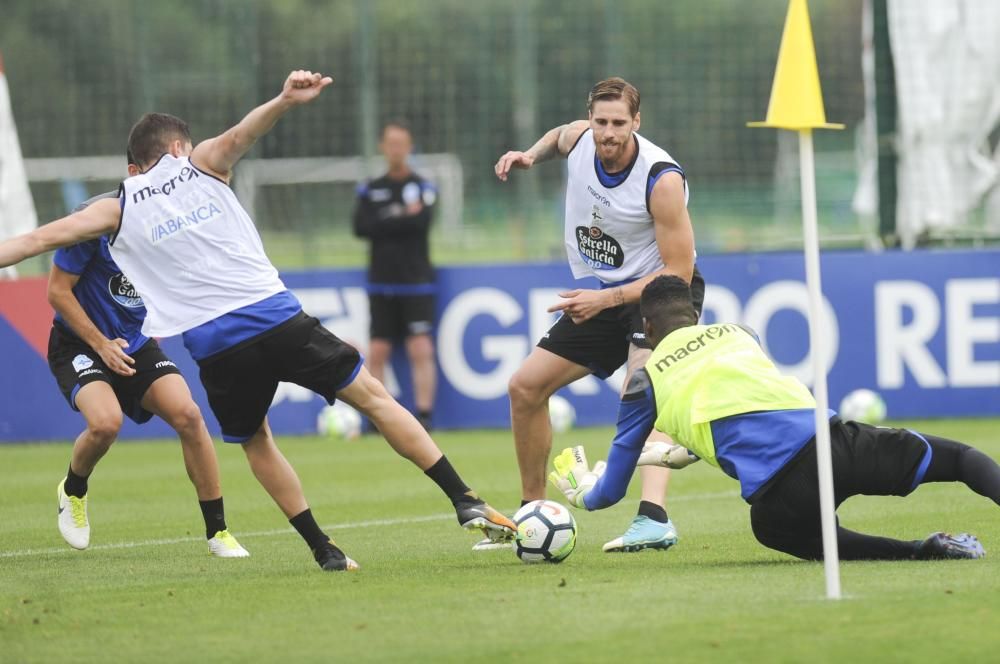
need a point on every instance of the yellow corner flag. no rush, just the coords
(796, 98)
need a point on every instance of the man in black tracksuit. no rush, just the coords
(394, 213)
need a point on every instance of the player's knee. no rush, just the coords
(420, 348)
(524, 392)
(186, 418)
(378, 353)
(104, 428)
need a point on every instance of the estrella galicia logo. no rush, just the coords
(598, 249)
(124, 292)
(81, 362)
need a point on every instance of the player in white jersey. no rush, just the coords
(626, 223)
(194, 256)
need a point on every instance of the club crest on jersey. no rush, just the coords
(123, 292)
(598, 249)
(81, 362)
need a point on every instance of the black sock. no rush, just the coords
(525, 502)
(445, 477)
(75, 485)
(652, 511)
(425, 418)
(309, 529)
(215, 516)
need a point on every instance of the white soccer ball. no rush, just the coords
(562, 415)
(863, 406)
(339, 421)
(546, 532)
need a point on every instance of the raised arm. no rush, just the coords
(64, 301)
(558, 141)
(100, 218)
(218, 155)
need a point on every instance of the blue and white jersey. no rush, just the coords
(189, 247)
(609, 230)
(104, 292)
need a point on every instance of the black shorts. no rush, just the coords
(400, 316)
(601, 344)
(241, 381)
(74, 364)
(867, 460)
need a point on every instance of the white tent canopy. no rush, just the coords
(17, 210)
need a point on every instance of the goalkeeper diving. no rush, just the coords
(715, 392)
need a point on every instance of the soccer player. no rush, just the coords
(194, 255)
(714, 391)
(626, 222)
(105, 366)
(394, 213)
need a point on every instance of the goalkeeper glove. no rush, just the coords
(670, 455)
(573, 475)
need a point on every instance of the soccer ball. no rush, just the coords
(863, 406)
(562, 415)
(546, 532)
(339, 421)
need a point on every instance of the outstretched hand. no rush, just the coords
(573, 475)
(667, 455)
(302, 86)
(513, 159)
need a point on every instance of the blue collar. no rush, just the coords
(612, 180)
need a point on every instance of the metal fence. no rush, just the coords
(473, 78)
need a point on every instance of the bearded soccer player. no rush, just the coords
(195, 257)
(626, 222)
(715, 392)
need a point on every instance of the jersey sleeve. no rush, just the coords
(658, 170)
(74, 259)
(636, 415)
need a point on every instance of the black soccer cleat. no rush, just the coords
(331, 559)
(477, 515)
(941, 546)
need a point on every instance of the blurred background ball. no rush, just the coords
(863, 406)
(562, 415)
(339, 421)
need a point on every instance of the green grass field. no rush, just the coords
(148, 591)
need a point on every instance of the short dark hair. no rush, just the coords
(614, 88)
(398, 123)
(151, 136)
(666, 303)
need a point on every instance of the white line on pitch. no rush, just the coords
(286, 531)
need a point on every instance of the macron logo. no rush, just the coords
(187, 173)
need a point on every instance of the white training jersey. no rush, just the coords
(609, 229)
(189, 248)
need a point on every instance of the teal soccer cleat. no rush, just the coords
(644, 533)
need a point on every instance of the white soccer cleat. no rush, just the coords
(487, 544)
(224, 545)
(73, 523)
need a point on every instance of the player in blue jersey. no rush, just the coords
(713, 390)
(105, 368)
(194, 254)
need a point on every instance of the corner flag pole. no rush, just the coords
(797, 105)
